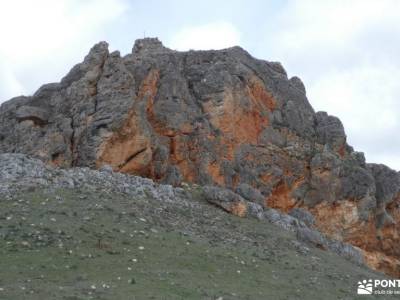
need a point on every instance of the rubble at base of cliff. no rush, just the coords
(101, 234)
(19, 172)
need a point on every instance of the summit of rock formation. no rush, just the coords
(215, 118)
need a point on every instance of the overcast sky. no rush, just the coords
(346, 52)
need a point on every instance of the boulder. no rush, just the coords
(303, 215)
(37, 115)
(226, 199)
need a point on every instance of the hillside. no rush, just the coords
(83, 234)
(233, 126)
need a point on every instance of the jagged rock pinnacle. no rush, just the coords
(146, 45)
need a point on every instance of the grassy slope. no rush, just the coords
(50, 249)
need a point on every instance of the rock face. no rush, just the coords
(213, 118)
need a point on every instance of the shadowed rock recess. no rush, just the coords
(215, 118)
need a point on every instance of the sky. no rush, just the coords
(346, 52)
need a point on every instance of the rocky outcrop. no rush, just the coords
(215, 118)
(226, 199)
(20, 173)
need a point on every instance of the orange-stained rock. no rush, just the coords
(377, 260)
(240, 123)
(281, 198)
(239, 209)
(126, 149)
(129, 148)
(336, 219)
(148, 86)
(340, 221)
(215, 173)
(259, 94)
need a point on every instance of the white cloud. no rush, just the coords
(40, 37)
(217, 35)
(345, 53)
(9, 85)
(332, 23)
(347, 93)
(365, 98)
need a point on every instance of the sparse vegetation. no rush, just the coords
(149, 249)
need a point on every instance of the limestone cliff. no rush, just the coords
(211, 117)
